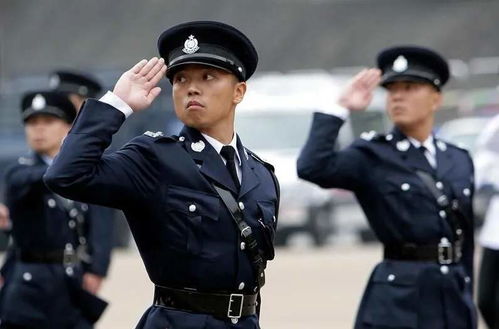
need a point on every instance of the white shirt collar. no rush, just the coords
(428, 144)
(218, 146)
(48, 160)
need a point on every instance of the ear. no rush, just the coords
(437, 100)
(239, 91)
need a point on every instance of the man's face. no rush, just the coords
(44, 133)
(411, 103)
(205, 97)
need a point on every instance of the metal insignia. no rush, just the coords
(368, 135)
(442, 146)
(198, 146)
(38, 102)
(400, 64)
(190, 45)
(152, 134)
(403, 145)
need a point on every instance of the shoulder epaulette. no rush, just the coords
(257, 158)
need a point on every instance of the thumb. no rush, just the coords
(153, 94)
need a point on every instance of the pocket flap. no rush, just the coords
(192, 202)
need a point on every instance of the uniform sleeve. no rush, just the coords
(100, 238)
(81, 172)
(22, 180)
(319, 163)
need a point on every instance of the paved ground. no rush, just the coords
(306, 288)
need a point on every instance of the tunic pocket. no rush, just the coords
(392, 297)
(187, 209)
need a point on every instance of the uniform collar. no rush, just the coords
(218, 146)
(48, 160)
(428, 144)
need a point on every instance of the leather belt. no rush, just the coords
(444, 253)
(65, 257)
(221, 306)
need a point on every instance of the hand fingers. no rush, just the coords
(159, 75)
(153, 94)
(373, 78)
(155, 69)
(136, 69)
(147, 68)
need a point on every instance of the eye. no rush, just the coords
(179, 79)
(209, 76)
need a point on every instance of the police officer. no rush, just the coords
(79, 87)
(486, 161)
(202, 208)
(45, 286)
(414, 188)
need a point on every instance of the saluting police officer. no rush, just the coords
(51, 234)
(79, 87)
(414, 188)
(202, 208)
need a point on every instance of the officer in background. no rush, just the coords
(202, 208)
(486, 161)
(51, 234)
(79, 87)
(415, 190)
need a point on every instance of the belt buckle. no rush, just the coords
(68, 257)
(235, 311)
(445, 252)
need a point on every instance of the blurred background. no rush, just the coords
(308, 50)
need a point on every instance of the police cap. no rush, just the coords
(75, 83)
(410, 63)
(49, 103)
(208, 43)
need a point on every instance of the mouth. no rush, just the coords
(194, 105)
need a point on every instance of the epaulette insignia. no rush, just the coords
(154, 135)
(368, 136)
(25, 161)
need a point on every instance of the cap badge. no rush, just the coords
(190, 45)
(403, 145)
(198, 146)
(38, 102)
(54, 81)
(400, 64)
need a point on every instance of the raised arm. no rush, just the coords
(318, 162)
(81, 172)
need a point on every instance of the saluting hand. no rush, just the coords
(4, 217)
(138, 86)
(359, 92)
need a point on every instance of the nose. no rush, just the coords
(193, 89)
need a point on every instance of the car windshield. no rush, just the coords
(271, 131)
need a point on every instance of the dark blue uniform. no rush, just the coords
(183, 231)
(401, 209)
(42, 294)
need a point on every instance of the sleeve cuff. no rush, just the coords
(336, 110)
(111, 99)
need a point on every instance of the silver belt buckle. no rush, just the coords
(445, 252)
(69, 257)
(234, 310)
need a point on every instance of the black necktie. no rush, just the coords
(228, 153)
